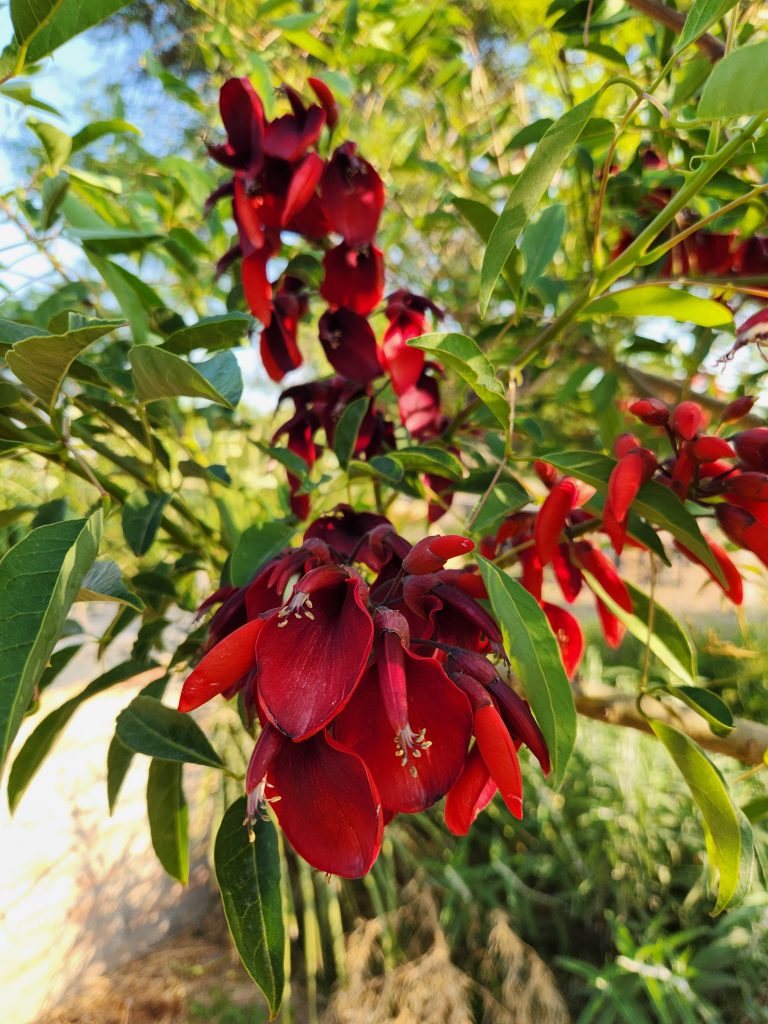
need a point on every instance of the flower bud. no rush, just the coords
(738, 408)
(431, 553)
(686, 419)
(748, 486)
(625, 443)
(752, 448)
(710, 449)
(651, 411)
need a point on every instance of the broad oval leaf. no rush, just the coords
(248, 875)
(141, 517)
(120, 757)
(549, 156)
(463, 355)
(657, 300)
(213, 334)
(39, 579)
(707, 704)
(104, 582)
(736, 87)
(44, 25)
(532, 649)
(168, 817)
(348, 428)
(256, 546)
(428, 459)
(158, 374)
(148, 727)
(726, 830)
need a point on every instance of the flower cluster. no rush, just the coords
(281, 184)
(369, 681)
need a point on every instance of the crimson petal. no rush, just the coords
(353, 196)
(471, 792)
(349, 344)
(222, 667)
(353, 278)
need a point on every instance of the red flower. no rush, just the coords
(353, 278)
(596, 563)
(349, 344)
(473, 790)
(733, 587)
(279, 351)
(353, 196)
(558, 505)
(290, 136)
(304, 181)
(232, 659)
(419, 407)
(568, 634)
(312, 653)
(324, 798)
(633, 469)
(431, 553)
(243, 117)
(407, 319)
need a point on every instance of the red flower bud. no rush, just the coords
(431, 553)
(750, 486)
(744, 529)
(632, 470)
(738, 408)
(752, 447)
(546, 473)
(733, 587)
(709, 449)
(552, 515)
(651, 411)
(625, 443)
(686, 419)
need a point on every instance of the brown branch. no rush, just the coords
(675, 20)
(747, 743)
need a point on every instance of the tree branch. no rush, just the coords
(675, 20)
(747, 743)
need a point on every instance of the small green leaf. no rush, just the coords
(348, 428)
(726, 830)
(42, 361)
(98, 129)
(40, 742)
(149, 727)
(541, 241)
(56, 143)
(426, 459)
(461, 354)
(119, 757)
(141, 517)
(159, 374)
(701, 15)
(104, 582)
(654, 502)
(256, 546)
(53, 191)
(536, 177)
(39, 579)
(168, 817)
(707, 704)
(657, 300)
(248, 874)
(535, 656)
(213, 334)
(106, 241)
(478, 215)
(736, 87)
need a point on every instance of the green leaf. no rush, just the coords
(108, 240)
(533, 182)
(39, 579)
(478, 215)
(159, 374)
(726, 830)
(756, 810)
(47, 24)
(426, 459)
(707, 704)
(141, 517)
(22, 93)
(248, 875)
(42, 361)
(701, 15)
(98, 129)
(535, 656)
(667, 639)
(654, 502)
(53, 191)
(657, 300)
(119, 757)
(462, 354)
(149, 727)
(505, 497)
(40, 742)
(104, 582)
(348, 428)
(541, 241)
(135, 298)
(256, 546)
(736, 86)
(168, 817)
(56, 143)
(213, 333)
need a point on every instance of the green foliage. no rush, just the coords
(149, 727)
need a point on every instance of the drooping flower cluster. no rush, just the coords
(282, 185)
(369, 677)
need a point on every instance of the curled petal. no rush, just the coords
(327, 101)
(499, 753)
(349, 344)
(431, 553)
(223, 666)
(471, 792)
(258, 290)
(290, 136)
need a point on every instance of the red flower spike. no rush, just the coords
(327, 101)
(737, 409)
(752, 448)
(312, 653)
(517, 717)
(568, 634)
(709, 448)
(601, 567)
(749, 486)
(426, 757)
(349, 344)
(473, 790)
(624, 443)
(498, 751)
(353, 196)
(303, 184)
(552, 516)
(431, 553)
(324, 798)
(353, 278)
(686, 420)
(733, 587)
(223, 666)
(651, 411)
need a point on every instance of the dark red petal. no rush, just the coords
(596, 563)
(258, 290)
(752, 448)
(737, 409)
(567, 574)
(349, 344)
(243, 117)
(532, 575)
(403, 363)
(651, 411)
(329, 808)
(434, 705)
(290, 136)
(303, 184)
(277, 345)
(353, 278)
(471, 792)
(519, 720)
(309, 667)
(419, 408)
(222, 667)
(499, 753)
(352, 195)
(568, 634)
(327, 101)
(552, 516)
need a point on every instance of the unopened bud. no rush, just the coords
(431, 553)
(686, 420)
(651, 411)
